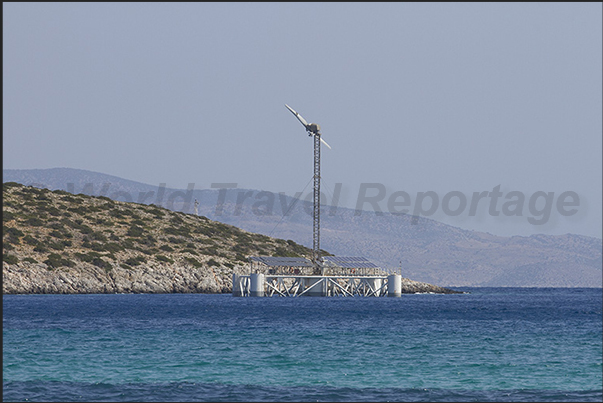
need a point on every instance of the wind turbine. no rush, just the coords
(313, 129)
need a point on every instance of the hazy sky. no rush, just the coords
(415, 97)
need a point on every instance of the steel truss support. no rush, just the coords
(296, 286)
(316, 214)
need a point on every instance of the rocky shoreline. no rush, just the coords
(37, 278)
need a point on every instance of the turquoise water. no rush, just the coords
(490, 344)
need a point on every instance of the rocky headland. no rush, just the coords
(30, 278)
(428, 251)
(55, 242)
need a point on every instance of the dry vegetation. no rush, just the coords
(66, 232)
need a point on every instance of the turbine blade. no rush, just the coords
(298, 116)
(325, 143)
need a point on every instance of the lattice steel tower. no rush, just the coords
(313, 129)
(316, 213)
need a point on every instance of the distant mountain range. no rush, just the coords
(429, 251)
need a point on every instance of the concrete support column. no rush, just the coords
(257, 285)
(394, 285)
(375, 284)
(236, 285)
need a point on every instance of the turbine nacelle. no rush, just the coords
(313, 128)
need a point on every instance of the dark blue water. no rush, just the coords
(493, 344)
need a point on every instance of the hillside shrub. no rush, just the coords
(207, 231)
(157, 213)
(132, 213)
(113, 247)
(191, 251)
(240, 248)
(149, 240)
(85, 230)
(78, 209)
(89, 257)
(53, 211)
(56, 245)
(55, 260)
(210, 250)
(163, 258)
(41, 248)
(13, 239)
(77, 224)
(101, 263)
(175, 219)
(116, 213)
(34, 222)
(14, 232)
(98, 236)
(56, 234)
(96, 246)
(193, 261)
(136, 260)
(176, 240)
(146, 251)
(10, 259)
(284, 252)
(182, 231)
(135, 231)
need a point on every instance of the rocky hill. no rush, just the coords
(58, 242)
(430, 252)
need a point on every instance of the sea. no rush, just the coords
(487, 344)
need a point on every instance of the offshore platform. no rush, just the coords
(319, 276)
